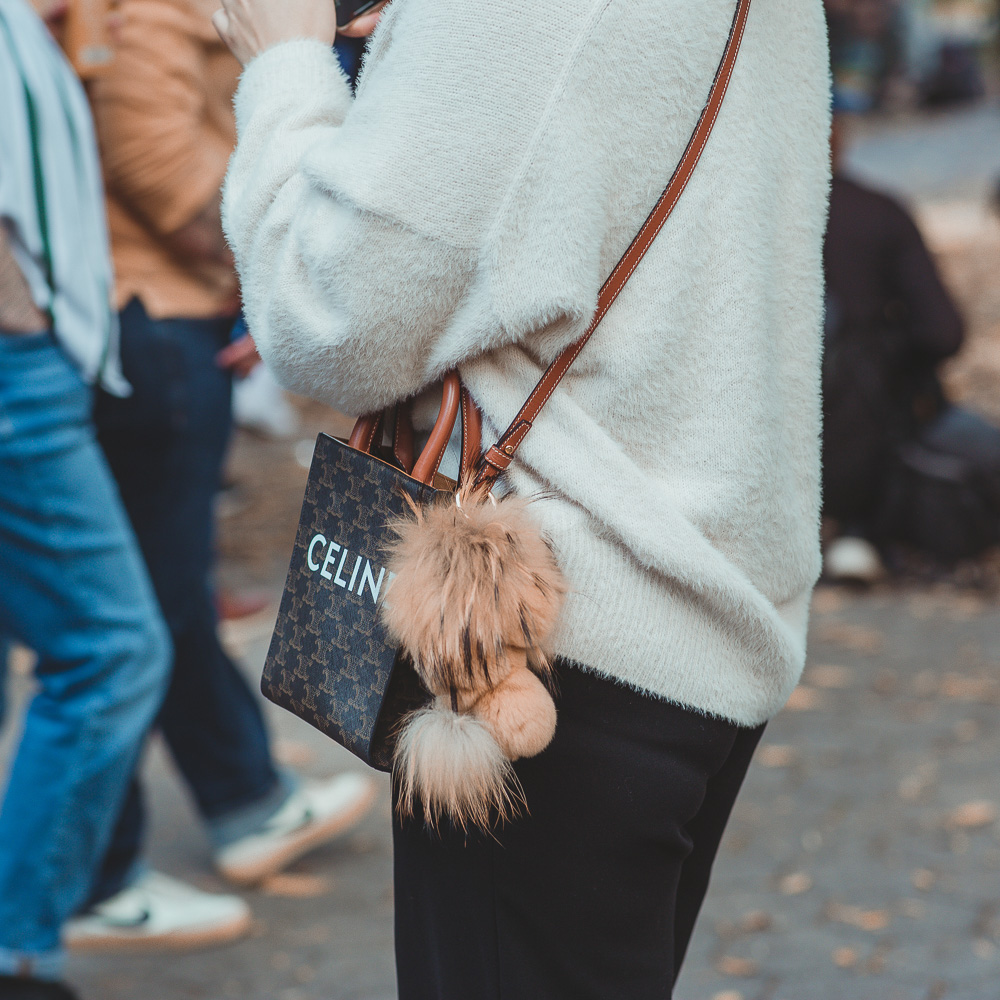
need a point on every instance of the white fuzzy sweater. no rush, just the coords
(463, 210)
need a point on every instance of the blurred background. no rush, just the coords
(863, 858)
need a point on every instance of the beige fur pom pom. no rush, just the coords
(474, 579)
(520, 713)
(476, 595)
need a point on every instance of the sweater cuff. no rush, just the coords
(293, 73)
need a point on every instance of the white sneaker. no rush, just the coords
(850, 558)
(159, 913)
(316, 812)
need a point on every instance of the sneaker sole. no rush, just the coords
(191, 940)
(249, 873)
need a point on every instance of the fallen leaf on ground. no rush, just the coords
(965, 607)
(960, 687)
(855, 916)
(795, 883)
(804, 699)
(886, 681)
(845, 958)
(830, 676)
(730, 965)
(776, 755)
(973, 815)
(295, 886)
(756, 921)
(859, 638)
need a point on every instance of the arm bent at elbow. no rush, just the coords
(347, 305)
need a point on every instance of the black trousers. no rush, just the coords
(594, 894)
(166, 444)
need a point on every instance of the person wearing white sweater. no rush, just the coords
(461, 210)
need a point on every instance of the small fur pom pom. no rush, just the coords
(473, 580)
(453, 766)
(520, 713)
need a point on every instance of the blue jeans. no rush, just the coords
(74, 589)
(166, 444)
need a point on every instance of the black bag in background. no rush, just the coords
(943, 489)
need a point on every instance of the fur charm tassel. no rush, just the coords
(476, 596)
(451, 762)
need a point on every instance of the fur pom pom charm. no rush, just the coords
(476, 596)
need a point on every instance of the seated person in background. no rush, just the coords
(901, 465)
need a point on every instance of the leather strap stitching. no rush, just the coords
(467, 457)
(465, 435)
(370, 442)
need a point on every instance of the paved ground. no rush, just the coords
(862, 861)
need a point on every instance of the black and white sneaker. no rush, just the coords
(159, 913)
(314, 814)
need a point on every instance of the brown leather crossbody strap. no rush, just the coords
(496, 460)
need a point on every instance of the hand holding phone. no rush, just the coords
(348, 10)
(249, 27)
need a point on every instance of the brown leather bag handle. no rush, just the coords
(366, 428)
(430, 458)
(366, 432)
(496, 460)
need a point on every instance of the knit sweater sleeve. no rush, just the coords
(364, 227)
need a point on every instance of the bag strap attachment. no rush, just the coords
(500, 455)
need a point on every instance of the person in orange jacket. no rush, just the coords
(166, 130)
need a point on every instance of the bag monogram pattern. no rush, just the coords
(329, 661)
